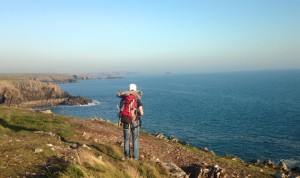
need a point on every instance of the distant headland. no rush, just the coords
(34, 90)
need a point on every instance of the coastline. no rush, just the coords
(63, 137)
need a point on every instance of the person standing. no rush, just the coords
(131, 110)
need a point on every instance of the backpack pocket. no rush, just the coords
(126, 119)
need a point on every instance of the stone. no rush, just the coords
(268, 163)
(280, 175)
(174, 170)
(76, 100)
(171, 138)
(86, 135)
(158, 135)
(120, 143)
(47, 112)
(235, 158)
(85, 146)
(255, 162)
(38, 150)
(296, 169)
(283, 166)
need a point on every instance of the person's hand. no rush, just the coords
(120, 124)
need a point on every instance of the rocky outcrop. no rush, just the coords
(30, 93)
(76, 100)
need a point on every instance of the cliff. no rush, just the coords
(33, 144)
(30, 93)
(48, 78)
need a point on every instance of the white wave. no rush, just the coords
(291, 162)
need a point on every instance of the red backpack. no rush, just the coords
(128, 110)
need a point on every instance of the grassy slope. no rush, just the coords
(66, 156)
(19, 139)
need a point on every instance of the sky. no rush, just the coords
(72, 36)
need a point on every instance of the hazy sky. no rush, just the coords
(148, 35)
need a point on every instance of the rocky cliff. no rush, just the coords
(61, 78)
(30, 93)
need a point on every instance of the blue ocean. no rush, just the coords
(247, 114)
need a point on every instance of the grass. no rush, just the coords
(20, 139)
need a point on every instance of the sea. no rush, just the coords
(252, 115)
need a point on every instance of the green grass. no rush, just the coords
(19, 140)
(22, 120)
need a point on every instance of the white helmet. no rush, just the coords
(132, 87)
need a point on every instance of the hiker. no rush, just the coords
(131, 110)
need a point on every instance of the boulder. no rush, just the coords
(204, 170)
(174, 170)
(255, 162)
(283, 166)
(158, 135)
(268, 163)
(76, 100)
(171, 138)
(280, 175)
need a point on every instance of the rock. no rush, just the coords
(76, 100)
(171, 138)
(74, 146)
(47, 112)
(46, 133)
(283, 166)
(120, 143)
(158, 135)
(204, 170)
(174, 170)
(97, 119)
(38, 150)
(268, 163)
(255, 162)
(296, 169)
(86, 135)
(280, 175)
(49, 145)
(235, 158)
(85, 146)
